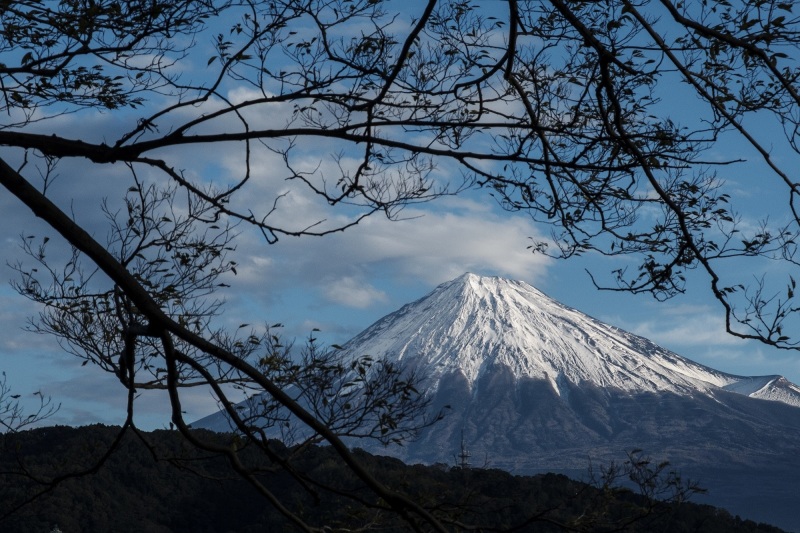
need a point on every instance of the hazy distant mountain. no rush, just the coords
(536, 386)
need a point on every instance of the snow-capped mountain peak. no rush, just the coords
(474, 323)
(530, 385)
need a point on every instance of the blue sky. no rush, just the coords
(342, 283)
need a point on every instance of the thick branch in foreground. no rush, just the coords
(45, 209)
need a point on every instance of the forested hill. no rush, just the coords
(165, 487)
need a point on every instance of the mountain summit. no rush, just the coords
(473, 324)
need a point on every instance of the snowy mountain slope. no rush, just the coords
(535, 386)
(474, 323)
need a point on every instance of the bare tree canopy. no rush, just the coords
(565, 111)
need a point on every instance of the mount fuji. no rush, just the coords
(475, 325)
(530, 385)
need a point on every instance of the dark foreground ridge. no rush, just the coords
(162, 486)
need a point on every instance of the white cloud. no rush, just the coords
(429, 246)
(352, 292)
(687, 325)
(439, 244)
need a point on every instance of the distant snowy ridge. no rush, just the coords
(774, 388)
(473, 323)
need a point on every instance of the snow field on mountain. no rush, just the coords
(473, 323)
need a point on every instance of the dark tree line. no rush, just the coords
(183, 490)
